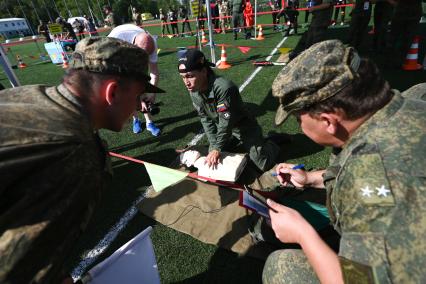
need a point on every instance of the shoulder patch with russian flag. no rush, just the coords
(221, 108)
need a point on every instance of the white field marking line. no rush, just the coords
(103, 244)
(251, 77)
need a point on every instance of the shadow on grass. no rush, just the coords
(127, 185)
(172, 120)
(175, 134)
(388, 61)
(228, 267)
(163, 157)
(269, 103)
(300, 146)
(165, 53)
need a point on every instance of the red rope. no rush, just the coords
(191, 175)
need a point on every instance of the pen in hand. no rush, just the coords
(296, 167)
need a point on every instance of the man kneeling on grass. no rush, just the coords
(222, 112)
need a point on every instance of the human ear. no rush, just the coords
(110, 88)
(331, 122)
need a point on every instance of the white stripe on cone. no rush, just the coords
(412, 56)
(223, 55)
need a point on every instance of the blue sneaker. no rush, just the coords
(155, 131)
(137, 126)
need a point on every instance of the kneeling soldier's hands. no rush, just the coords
(212, 158)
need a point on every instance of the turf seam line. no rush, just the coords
(251, 77)
(90, 257)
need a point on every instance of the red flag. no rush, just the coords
(244, 49)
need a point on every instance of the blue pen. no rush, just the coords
(296, 167)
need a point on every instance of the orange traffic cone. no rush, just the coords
(223, 64)
(64, 60)
(412, 56)
(21, 63)
(203, 37)
(260, 34)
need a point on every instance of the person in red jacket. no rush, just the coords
(248, 18)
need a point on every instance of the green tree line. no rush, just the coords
(49, 10)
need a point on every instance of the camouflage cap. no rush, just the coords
(113, 56)
(317, 74)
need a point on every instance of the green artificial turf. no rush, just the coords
(182, 259)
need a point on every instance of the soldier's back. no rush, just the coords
(52, 173)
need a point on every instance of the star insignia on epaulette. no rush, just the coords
(382, 191)
(366, 191)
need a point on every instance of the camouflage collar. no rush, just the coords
(67, 94)
(380, 116)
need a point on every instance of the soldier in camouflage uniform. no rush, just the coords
(222, 112)
(164, 25)
(237, 7)
(322, 10)
(360, 18)
(382, 14)
(223, 15)
(110, 19)
(375, 183)
(53, 164)
(404, 26)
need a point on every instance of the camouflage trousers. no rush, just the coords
(288, 266)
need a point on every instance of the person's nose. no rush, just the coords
(186, 82)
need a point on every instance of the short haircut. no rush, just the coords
(368, 93)
(88, 82)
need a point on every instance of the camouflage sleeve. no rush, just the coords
(363, 206)
(57, 187)
(416, 92)
(225, 111)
